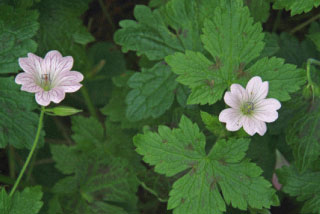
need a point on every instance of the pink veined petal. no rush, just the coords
(57, 95)
(69, 81)
(24, 78)
(31, 64)
(257, 89)
(266, 110)
(261, 127)
(43, 98)
(71, 88)
(232, 117)
(32, 88)
(239, 92)
(28, 82)
(268, 104)
(249, 125)
(55, 64)
(232, 100)
(252, 126)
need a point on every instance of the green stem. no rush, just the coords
(152, 192)
(302, 25)
(309, 62)
(106, 13)
(88, 102)
(9, 181)
(34, 146)
(277, 22)
(31, 166)
(12, 168)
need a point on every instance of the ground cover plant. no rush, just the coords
(159, 107)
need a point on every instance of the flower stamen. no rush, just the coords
(45, 82)
(247, 108)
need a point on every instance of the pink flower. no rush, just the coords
(249, 107)
(50, 78)
(280, 162)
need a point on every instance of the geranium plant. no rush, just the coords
(159, 107)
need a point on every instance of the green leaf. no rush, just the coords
(120, 144)
(259, 9)
(97, 176)
(232, 36)
(295, 6)
(305, 186)
(150, 35)
(107, 62)
(152, 92)
(180, 148)
(18, 124)
(213, 124)
(157, 3)
(315, 37)
(61, 29)
(231, 47)
(87, 130)
(283, 78)
(200, 74)
(271, 45)
(115, 110)
(28, 201)
(303, 136)
(17, 27)
(114, 61)
(294, 51)
(223, 170)
(64, 157)
(262, 152)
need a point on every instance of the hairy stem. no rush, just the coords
(304, 24)
(34, 146)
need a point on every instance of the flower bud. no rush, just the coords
(280, 162)
(62, 111)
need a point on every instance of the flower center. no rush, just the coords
(247, 108)
(45, 82)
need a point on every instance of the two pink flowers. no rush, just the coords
(50, 78)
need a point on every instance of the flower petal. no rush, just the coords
(238, 91)
(261, 127)
(28, 82)
(266, 110)
(275, 182)
(257, 89)
(31, 64)
(57, 95)
(232, 100)
(232, 117)
(252, 126)
(43, 98)
(69, 81)
(249, 126)
(54, 64)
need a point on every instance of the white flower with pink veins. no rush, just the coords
(50, 78)
(250, 108)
